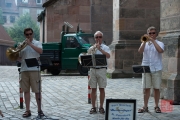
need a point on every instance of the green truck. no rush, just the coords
(64, 55)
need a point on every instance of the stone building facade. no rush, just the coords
(170, 36)
(124, 22)
(92, 15)
(9, 12)
(33, 7)
(12, 9)
(131, 18)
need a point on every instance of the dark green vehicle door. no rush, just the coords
(70, 53)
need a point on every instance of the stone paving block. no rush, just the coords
(66, 97)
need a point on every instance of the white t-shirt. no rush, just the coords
(29, 52)
(151, 57)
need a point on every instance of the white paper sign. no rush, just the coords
(120, 111)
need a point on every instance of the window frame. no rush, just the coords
(38, 3)
(8, 5)
(24, 1)
(5, 19)
(12, 19)
(25, 11)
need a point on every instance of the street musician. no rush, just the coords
(98, 74)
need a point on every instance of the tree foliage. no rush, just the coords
(17, 31)
(1, 17)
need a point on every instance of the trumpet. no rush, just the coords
(12, 53)
(144, 38)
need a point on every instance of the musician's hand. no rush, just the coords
(98, 45)
(151, 39)
(28, 41)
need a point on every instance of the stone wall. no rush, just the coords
(170, 35)
(72, 11)
(102, 17)
(131, 18)
(92, 15)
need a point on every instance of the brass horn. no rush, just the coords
(79, 58)
(12, 53)
(144, 38)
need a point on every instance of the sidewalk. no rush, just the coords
(66, 97)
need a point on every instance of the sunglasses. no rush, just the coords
(28, 34)
(98, 37)
(152, 33)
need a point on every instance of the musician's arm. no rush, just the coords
(37, 49)
(105, 53)
(141, 48)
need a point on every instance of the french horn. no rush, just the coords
(79, 58)
(91, 51)
(12, 53)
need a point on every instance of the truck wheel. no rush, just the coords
(82, 70)
(55, 71)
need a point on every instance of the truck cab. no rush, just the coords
(64, 55)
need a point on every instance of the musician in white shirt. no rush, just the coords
(152, 56)
(98, 74)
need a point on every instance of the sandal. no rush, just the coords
(93, 110)
(101, 110)
(157, 109)
(143, 109)
(27, 113)
(40, 113)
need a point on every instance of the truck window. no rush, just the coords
(71, 42)
(87, 39)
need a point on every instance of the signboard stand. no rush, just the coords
(120, 109)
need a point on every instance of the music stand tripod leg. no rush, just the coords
(40, 96)
(144, 80)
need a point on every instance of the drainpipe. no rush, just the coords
(43, 35)
(91, 3)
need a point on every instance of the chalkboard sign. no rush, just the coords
(120, 109)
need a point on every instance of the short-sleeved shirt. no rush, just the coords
(103, 47)
(151, 57)
(29, 52)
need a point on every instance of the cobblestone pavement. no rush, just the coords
(65, 97)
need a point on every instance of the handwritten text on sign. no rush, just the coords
(120, 111)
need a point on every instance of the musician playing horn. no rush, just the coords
(30, 76)
(152, 56)
(98, 74)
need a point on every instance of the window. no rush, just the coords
(71, 42)
(25, 11)
(12, 19)
(25, 1)
(38, 1)
(4, 19)
(8, 5)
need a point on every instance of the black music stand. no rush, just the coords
(95, 60)
(33, 62)
(141, 69)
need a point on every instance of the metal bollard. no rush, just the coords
(89, 91)
(20, 91)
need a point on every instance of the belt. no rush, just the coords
(98, 67)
